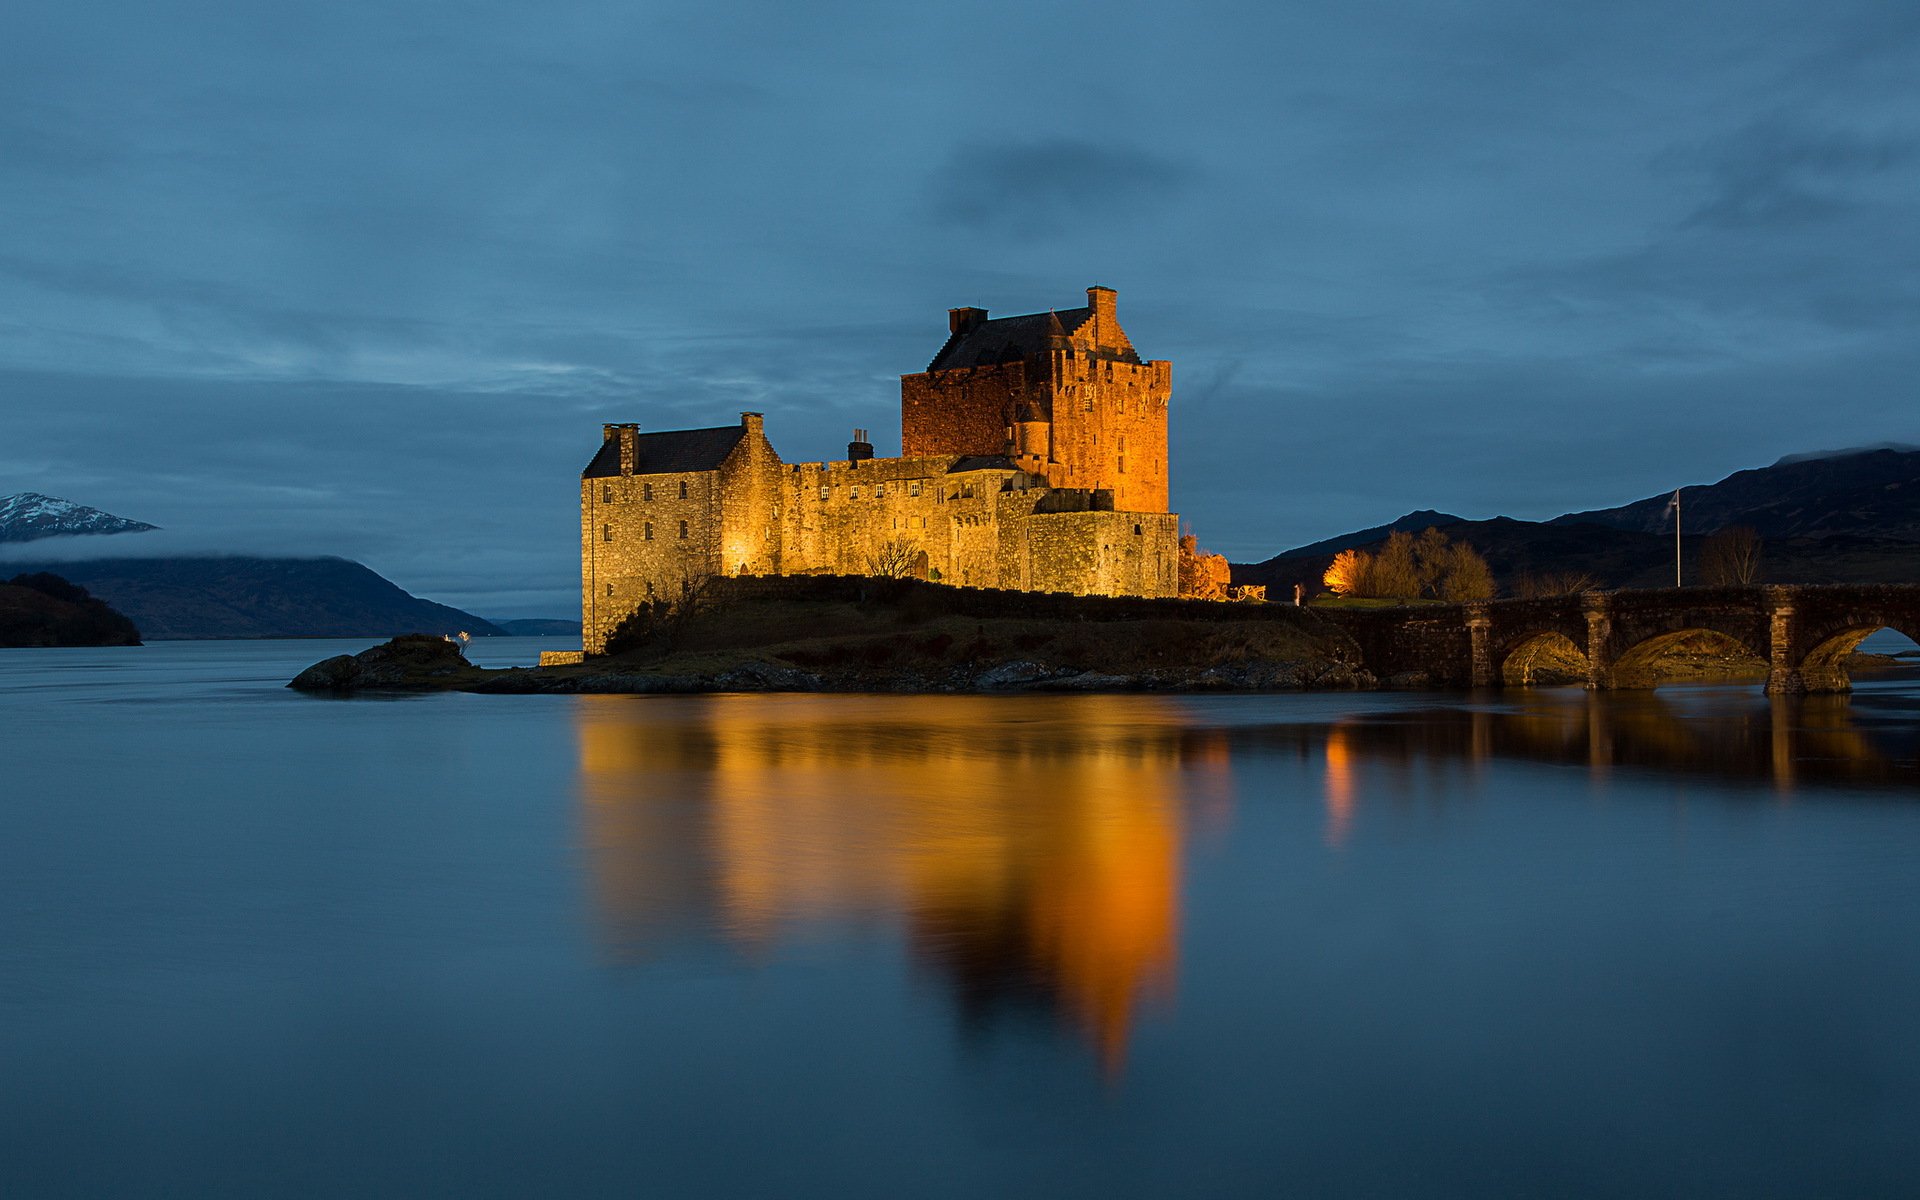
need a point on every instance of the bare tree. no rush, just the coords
(1350, 574)
(1396, 572)
(1553, 583)
(1466, 576)
(896, 558)
(1731, 557)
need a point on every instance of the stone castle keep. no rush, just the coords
(1034, 457)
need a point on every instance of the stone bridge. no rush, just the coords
(1803, 633)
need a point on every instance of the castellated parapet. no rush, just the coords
(1034, 458)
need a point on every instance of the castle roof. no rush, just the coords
(670, 450)
(981, 462)
(1009, 339)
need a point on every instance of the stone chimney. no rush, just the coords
(964, 320)
(859, 449)
(1100, 300)
(629, 436)
(753, 423)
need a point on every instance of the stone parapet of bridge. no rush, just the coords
(1803, 633)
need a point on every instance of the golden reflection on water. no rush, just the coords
(1032, 848)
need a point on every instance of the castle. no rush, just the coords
(1033, 457)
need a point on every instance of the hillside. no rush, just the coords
(46, 610)
(1846, 518)
(1870, 494)
(244, 597)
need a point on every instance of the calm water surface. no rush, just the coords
(1542, 944)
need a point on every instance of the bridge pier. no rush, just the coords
(1783, 673)
(1479, 627)
(1599, 641)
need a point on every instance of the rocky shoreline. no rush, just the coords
(423, 663)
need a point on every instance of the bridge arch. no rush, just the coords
(1823, 666)
(1545, 657)
(1638, 666)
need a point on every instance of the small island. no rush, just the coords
(861, 634)
(42, 609)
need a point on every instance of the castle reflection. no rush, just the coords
(1033, 848)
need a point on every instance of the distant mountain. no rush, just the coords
(539, 627)
(1871, 493)
(29, 516)
(46, 610)
(1413, 522)
(1846, 517)
(243, 597)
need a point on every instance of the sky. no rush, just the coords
(365, 279)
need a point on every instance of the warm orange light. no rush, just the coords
(1339, 789)
(1347, 571)
(1049, 855)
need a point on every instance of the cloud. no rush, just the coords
(1776, 172)
(1043, 186)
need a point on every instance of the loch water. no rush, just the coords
(1531, 943)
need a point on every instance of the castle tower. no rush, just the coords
(1063, 391)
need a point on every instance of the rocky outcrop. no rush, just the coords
(414, 662)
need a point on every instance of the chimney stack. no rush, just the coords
(629, 436)
(752, 422)
(1101, 300)
(963, 320)
(859, 449)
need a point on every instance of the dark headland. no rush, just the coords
(42, 609)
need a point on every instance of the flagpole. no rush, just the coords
(1676, 537)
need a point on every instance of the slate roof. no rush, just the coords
(1008, 339)
(671, 450)
(982, 462)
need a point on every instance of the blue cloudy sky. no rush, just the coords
(365, 278)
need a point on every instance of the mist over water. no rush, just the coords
(1538, 943)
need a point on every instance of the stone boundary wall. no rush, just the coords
(944, 599)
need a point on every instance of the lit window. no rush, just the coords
(879, 491)
(646, 491)
(683, 489)
(825, 491)
(683, 529)
(913, 489)
(606, 533)
(853, 493)
(606, 493)
(649, 533)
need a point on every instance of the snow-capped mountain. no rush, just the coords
(28, 516)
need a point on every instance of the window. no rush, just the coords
(606, 533)
(1086, 405)
(879, 491)
(913, 489)
(825, 491)
(606, 493)
(649, 532)
(683, 489)
(646, 491)
(853, 493)
(1136, 529)
(609, 591)
(683, 529)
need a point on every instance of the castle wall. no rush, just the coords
(632, 548)
(1110, 428)
(963, 411)
(1090, 553)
